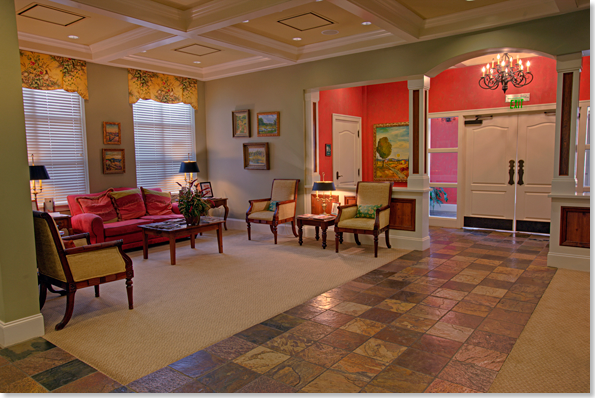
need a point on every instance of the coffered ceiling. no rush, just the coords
(211, 39)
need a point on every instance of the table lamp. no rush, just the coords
(37, 173)
(324, 186)
(188, 166)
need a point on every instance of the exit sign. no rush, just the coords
(516, 100)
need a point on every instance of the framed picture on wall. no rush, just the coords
(268, 124)
(206, 189)
(327, 150)
(241, 123)
(256, 156)
(335, 208)
(391, 152)
(111, 133)
(114, 161)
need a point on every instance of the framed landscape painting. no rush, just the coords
(268, 124)
(241, 123)
(391, 152)
(256, 156)
(111, 133)
(114, 161)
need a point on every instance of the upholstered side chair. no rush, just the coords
(72, 266)
(278, 209)
(370, 215)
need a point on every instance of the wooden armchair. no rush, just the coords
(372, 200)
(77, 266)
(283, 199)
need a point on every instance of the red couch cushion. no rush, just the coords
(129, 204)
(157, 202)
(123, 227)
(100, 205)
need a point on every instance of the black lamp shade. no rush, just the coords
(38, 173)
(323, 186)
(189, 166)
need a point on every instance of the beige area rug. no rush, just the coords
(205, 298)
(552, 353)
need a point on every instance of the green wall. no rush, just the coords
(18, 275)
(283, 90)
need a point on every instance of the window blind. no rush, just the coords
(54, 122)
(163, 138)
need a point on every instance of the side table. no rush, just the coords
(62, 221)
(221, 202)
(318, 223)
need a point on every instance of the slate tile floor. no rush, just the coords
(441, 320)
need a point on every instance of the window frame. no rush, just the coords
(582, 147)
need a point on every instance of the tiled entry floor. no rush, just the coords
(442, 320)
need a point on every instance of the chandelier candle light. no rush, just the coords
(505, 70)
(324, 186)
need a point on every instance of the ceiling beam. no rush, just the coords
(386, 14)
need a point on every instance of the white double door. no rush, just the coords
(509, 170)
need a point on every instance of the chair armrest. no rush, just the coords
(257, 205)
(285, 210)
(382, 217)
(84, 235)
(96, 246)
(259, 200)
(346, 212)
(90, 223)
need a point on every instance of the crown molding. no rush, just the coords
(157, 66)
(363, 37)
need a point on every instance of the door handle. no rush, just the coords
(338, 176)
(511, 172)
(521, 172)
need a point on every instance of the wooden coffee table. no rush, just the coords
(179, 229)
(319, 223)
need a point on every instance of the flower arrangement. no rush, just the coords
(191, 203)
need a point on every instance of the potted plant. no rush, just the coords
(191, 203)
(437, 195)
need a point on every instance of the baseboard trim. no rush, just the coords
(569, 261)
(20, 330)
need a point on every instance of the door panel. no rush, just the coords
(488, 204)
(346, 150)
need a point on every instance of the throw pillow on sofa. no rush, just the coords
(100, 205)
(129, 204)
(157, 203)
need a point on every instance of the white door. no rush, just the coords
(509, 170)
(490, 148)
(346, 150)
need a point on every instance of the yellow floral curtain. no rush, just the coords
(50, 72)
(161, 88)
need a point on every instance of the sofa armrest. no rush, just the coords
(90, 223)
(175, 208)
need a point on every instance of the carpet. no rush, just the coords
(552, 355)
(204, 298)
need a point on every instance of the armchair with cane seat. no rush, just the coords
(71, 266)
(370, 215)
(278, 209)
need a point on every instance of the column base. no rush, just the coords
(418, 181)
(563, 186)
(20, 330)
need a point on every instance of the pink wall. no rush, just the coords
(444, 166)
(452, 90)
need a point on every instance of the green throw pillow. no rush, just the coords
(366, 211)
(273, 205)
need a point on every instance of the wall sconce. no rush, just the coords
(37, 173)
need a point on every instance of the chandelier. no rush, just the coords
(505, 70)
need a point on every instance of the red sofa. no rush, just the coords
(127, 230)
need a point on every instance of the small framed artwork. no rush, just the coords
(335, 208)
(111, 133)
(206, 189)
(241, 123)
(114, 161)
(327, 150)
(268, 124)
(256, 156)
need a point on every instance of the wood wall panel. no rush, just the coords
(317, 204)
(350, 200)
(414, 130)
(575, 227)
(564, 164)
(402, 214)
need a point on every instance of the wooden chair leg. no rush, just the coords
(274, 228)
(129, 293)
(387, 238)
(249, 237)
(293, 229)
(356, 239)
(43, 292)
(337, 242)
(96, 290)
(340, 237)
(69, 308)
(376, 245)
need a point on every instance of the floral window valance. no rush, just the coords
(50, 72)
(161, 88)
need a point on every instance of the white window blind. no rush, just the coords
(54, 122)
(163, 138)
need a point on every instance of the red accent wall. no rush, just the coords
(585, 87)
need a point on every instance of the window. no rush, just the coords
(443, 166)
(583, 150)
(163, 138)
(54, 123)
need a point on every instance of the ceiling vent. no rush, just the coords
(197, 49)
(306, 22)
(51, 15)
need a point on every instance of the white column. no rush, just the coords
(418, 114)
(312, 171)
(567, 108)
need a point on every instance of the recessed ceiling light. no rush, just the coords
(366, 23)
(197, 62)
(73, 37)
(144, 51)
(329, 32)
(246, 21)
(318, 1)
(297, 38)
